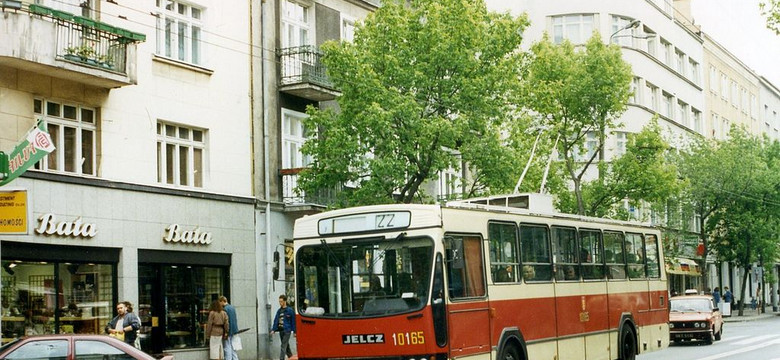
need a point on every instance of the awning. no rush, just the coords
(683, 266)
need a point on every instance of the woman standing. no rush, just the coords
(125, 324)
(217, 330)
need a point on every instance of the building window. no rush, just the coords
(591, 145)
(72, 129)
(179, 31)
(180, 155)
(744, 100)
(666, 107)
(725, 128)
(715, 122)
(753, 106)
(635, 97)
(694, 69)
(734, 94)
(666, 52)
(650, 41)
(682, 113)
(724, 86)
(347, 28)
(576, 28)
(449, 183)
(679, 57)
(652, 96)
(696, 117)
(713, 80)
(295, 25)
(622, 36)
(621, 140)
(294, 135)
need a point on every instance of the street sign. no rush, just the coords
(35, 146)
(13, 212)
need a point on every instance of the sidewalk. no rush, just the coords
(749, 315)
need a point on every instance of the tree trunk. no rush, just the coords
(742, 293)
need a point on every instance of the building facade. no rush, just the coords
(148, 196)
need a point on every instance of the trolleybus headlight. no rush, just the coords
(696, 325)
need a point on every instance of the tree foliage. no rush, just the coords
(575, 91)
(425, 86)
(643, 174)
(732, 186)
(771, 9)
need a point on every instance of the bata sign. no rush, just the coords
(175, 233)
(76, 228)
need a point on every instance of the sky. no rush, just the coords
(739, 27)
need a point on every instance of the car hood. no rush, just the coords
(689, 316)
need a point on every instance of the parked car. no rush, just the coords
(694, 317)
(72, 346)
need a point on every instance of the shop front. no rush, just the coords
(175, 292)
(683, 274)
(88, 245)
(49, 289)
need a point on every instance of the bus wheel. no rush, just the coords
(510, 353)
(628, 343)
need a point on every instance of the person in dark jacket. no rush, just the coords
(284, 324)
(126, 324)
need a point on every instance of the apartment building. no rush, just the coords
(148, 196)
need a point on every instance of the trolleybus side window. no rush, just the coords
(503, 252)
(614, 255)
(566, 252)
(635, 256)
(465, 268)
(651, 254)
(535, 252)
(591, 255)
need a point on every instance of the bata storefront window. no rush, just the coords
(53, 297)
(174, 299)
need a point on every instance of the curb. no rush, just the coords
(744, 318)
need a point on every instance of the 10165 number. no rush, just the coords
(412, 338)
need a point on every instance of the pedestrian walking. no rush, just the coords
(217, 329)
(124, 326)
(716, 295)
(284, 324)
(232, 338)
(727, 296)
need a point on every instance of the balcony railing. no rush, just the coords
(303, 74)
(67, 46)
(89, 42)
(293, 196)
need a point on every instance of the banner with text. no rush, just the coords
(13, 212)
(36, 145)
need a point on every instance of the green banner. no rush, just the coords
(36, 145)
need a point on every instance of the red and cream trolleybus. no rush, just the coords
(493, 278)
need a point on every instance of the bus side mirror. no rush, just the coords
(276, 265)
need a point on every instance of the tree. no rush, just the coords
(576, 92)
(746, 231)
(644, 173)
(425, 87)
(771, 9)
(717, 175)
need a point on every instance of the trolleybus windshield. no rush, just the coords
(365, 278)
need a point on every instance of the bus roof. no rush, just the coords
(431, 215)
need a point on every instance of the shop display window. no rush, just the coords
(55, 297)
(174, 302)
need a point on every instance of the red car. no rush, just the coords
(694, 317)
(71, 347)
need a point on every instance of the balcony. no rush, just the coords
(298, 201)
(57, 43)
(303, 74)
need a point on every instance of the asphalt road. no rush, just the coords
(750, 340)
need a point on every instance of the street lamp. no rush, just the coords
(633, 24)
